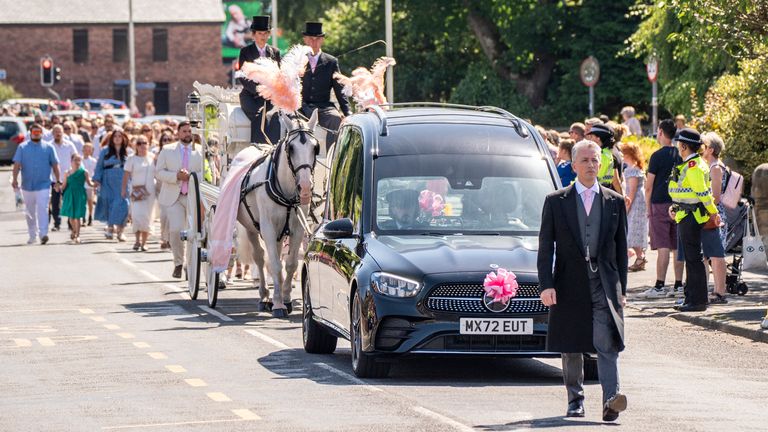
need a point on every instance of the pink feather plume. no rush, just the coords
(280, 84)
(365, 86)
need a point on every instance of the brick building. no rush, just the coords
(176, 43)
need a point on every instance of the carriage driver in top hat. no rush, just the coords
(318, 82)
(253, 105)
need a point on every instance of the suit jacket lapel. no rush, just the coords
(570, 207)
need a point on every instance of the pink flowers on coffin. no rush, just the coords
(501, 285)
(431, 202)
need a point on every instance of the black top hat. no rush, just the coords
(689, 137)
(313, 29)
(260, 23)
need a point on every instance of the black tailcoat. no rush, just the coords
(250, 101)
(317, 85)
(570, 320)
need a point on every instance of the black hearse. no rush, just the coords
(423, 201)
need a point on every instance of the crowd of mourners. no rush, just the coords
(658, 214)
(97, 169)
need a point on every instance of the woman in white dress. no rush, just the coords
(140, 170)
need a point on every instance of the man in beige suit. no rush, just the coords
(174, 165)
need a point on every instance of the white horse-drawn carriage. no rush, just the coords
(275, 189)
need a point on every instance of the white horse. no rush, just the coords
(269, 206)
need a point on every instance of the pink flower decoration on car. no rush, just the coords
(501, 285)
(431, 202)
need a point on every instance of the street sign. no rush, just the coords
(652, 68)
(589, 71)
(3, 74)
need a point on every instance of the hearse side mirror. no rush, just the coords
(339, 229)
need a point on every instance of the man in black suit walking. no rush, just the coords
(586, 293)
(254, 106)
(318, 82)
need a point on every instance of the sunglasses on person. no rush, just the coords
(141, 143)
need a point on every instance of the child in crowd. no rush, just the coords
(564, 169)
(89, 163)
(74, 195)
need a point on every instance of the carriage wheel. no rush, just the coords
(194, 235)
(212, 279)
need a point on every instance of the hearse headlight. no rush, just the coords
(394, 286)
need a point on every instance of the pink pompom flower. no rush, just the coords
(431, 202)
(500, 285)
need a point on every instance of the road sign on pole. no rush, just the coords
(652, 68)
(589, 72)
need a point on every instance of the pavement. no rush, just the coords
(742, 316)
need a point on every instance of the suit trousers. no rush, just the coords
(689, 232)
(36, 205)
(604, 339)
(255, 109)
(177, 221)
(55, 207)
(327, 117)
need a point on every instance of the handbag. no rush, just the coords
(734, 185)
(140, 192)
(752, 246)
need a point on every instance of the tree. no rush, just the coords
(8, 92)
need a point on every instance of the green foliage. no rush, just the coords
(735, 109)
(647, 146)
(8, 92)
(482, 86)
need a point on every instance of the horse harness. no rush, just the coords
(272, 185)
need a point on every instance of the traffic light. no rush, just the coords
(47, 73)
(56, 75)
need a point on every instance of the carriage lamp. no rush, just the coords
(193, 108)
(394, 286)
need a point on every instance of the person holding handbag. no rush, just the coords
(139, 170)
(715, 239)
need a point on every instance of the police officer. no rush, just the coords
(693, 209)
(254, 106)
(608, 175)
(318, 82)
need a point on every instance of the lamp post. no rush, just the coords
(131, 61)
(388, 37)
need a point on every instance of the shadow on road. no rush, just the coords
(541, 423)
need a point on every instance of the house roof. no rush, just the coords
(78, 12)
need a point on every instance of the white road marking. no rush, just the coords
(126, 335)
(157, 355)
(149, 425)
(22, 342)
(267, 339)
(128, 263)
(111, 326)
(44, 341)
(348, 377)
(215, 313)
(218, 397)
(175, 368)
(196, 382)
(98, 318)
(180, 291)
(246, 414)
(149, 275)
(141, 345)
(87, 311)
(443, 419)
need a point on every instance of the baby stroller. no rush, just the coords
(737, 225)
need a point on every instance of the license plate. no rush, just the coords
(496, 326)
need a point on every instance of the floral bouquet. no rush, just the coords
(431, 203)
(500, 285)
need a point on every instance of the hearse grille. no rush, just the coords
(468, 298)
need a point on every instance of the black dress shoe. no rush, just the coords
(614, 406)
(688, 307)
(177, 272)
(575, 409)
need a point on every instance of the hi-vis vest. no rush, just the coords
(605, 174)
(689, 185)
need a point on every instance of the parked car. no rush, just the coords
(422, 203)
(27, 107)
(161, 118)
(12, 133)
(99, 104)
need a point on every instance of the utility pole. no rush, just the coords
(388, 37)
(274, 24)
(131, 61)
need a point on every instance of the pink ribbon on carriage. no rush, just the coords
(223, 223)
(501, 285)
